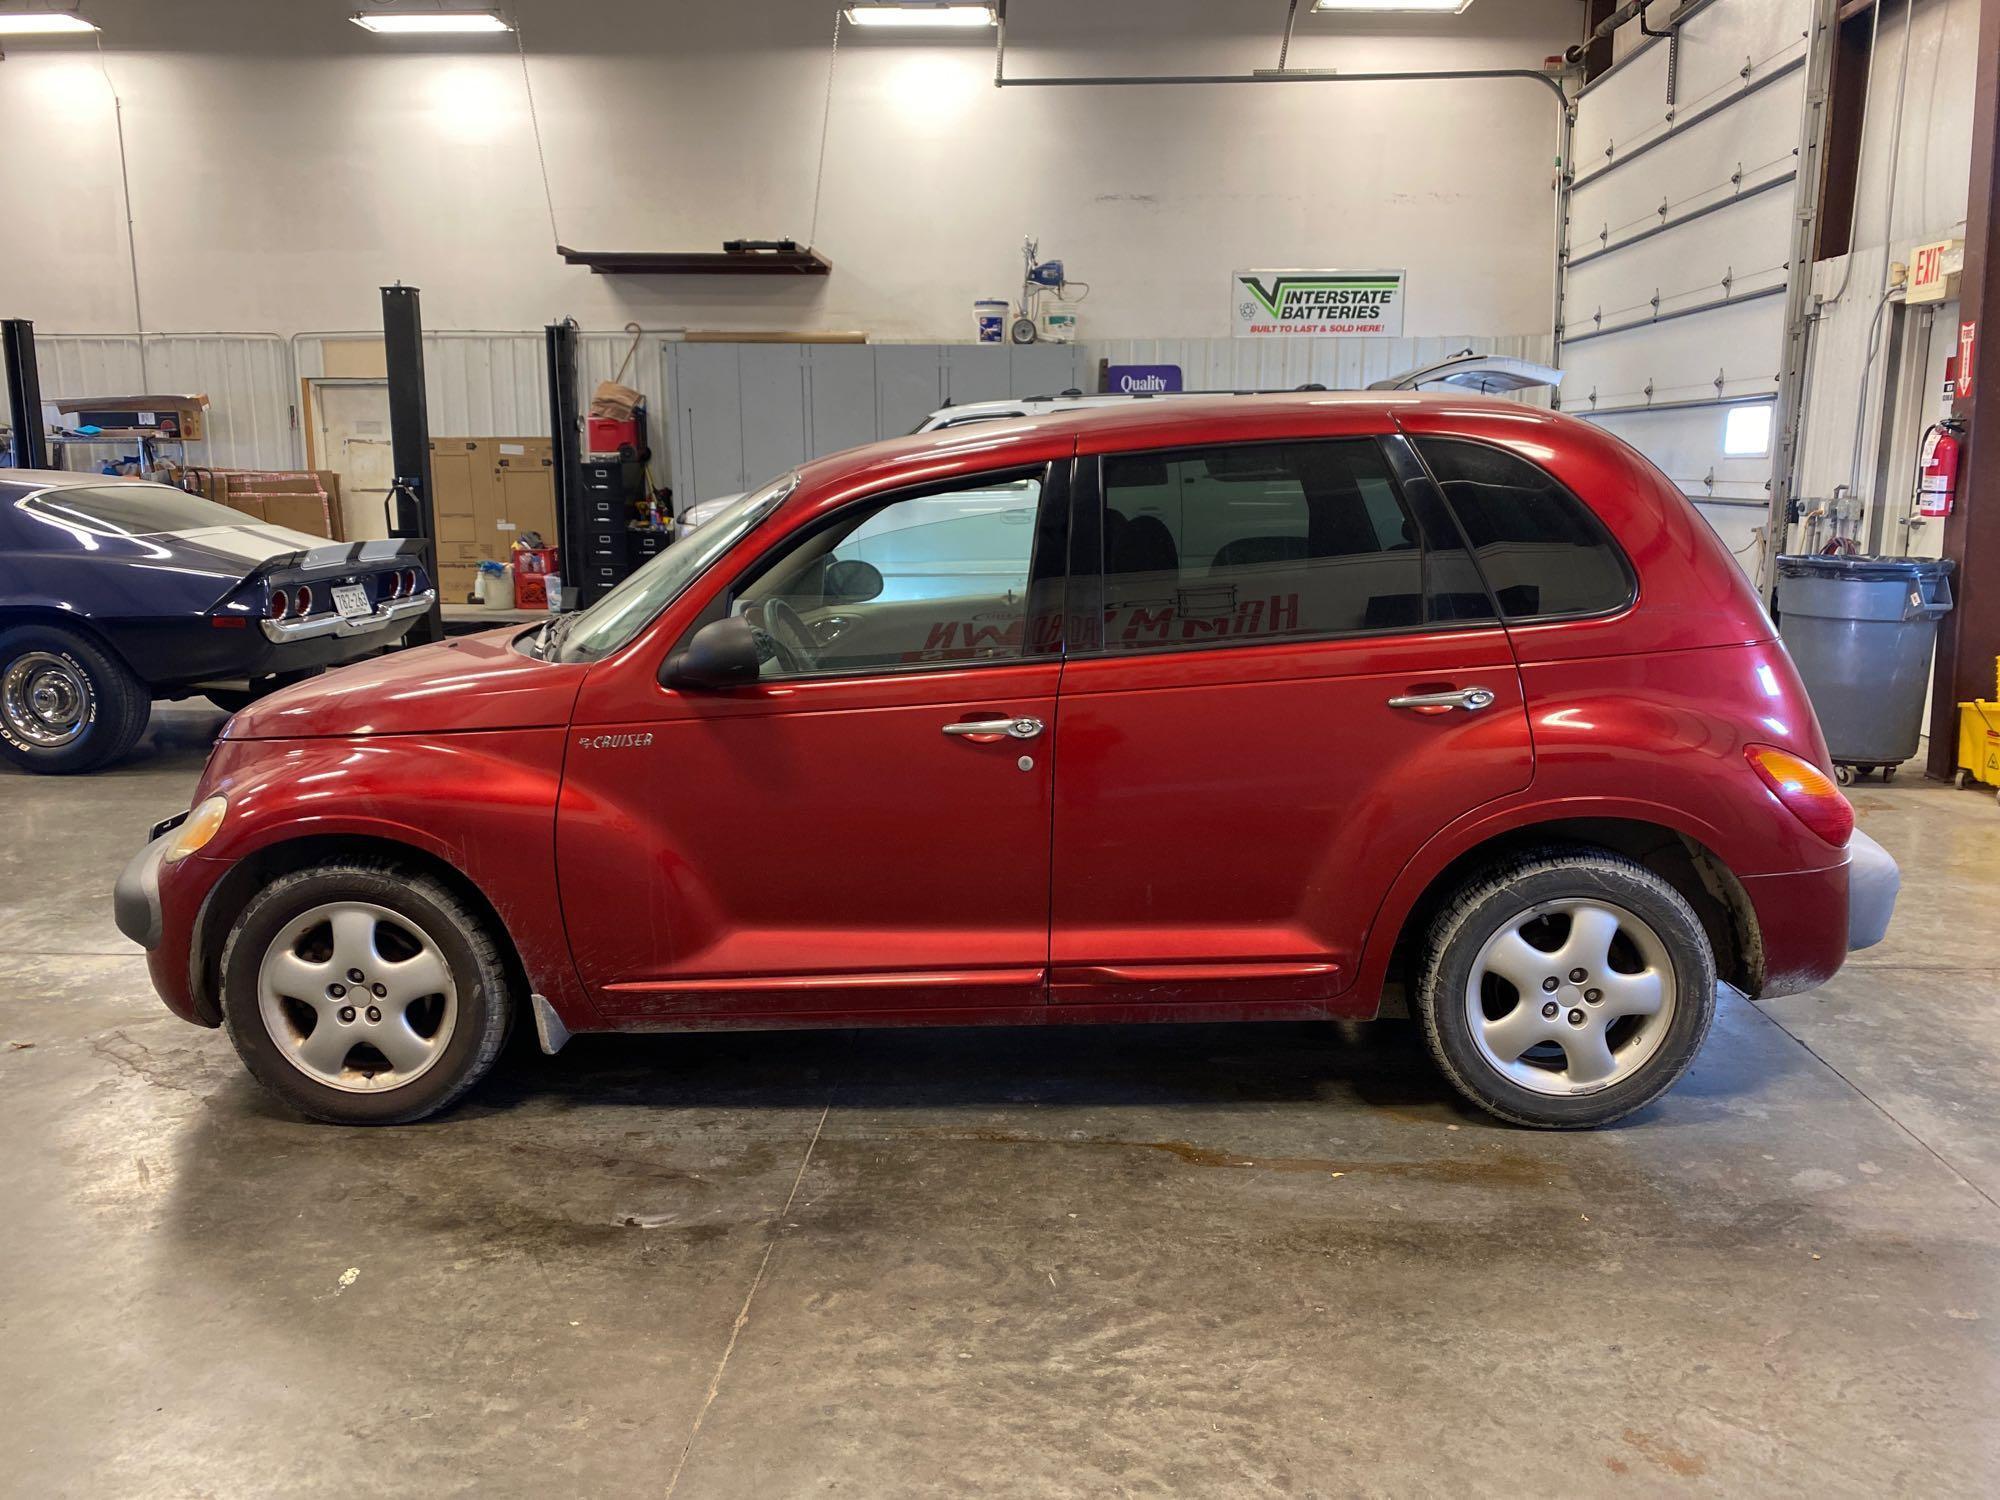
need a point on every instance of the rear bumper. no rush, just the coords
(1873, 880)
(1809, 921)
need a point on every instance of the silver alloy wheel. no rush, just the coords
(364, 1034)
(46, 699)
(1578, 1025)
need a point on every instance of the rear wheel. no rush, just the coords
(66, 704)
(363, 995)
(1566, 989)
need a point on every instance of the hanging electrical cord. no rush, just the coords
(535, 124)
(825, 123)
(131, 234)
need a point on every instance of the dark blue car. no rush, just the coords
(114, 592)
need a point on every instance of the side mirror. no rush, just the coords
(851, 581)
(722, 654)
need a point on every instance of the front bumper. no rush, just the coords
(135, 899)
(1873, 880)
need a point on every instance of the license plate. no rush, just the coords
(351, 599)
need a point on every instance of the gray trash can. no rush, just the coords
(1861, 630)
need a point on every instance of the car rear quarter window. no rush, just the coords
(1251, 543)
(130, 509)
(1543, 553)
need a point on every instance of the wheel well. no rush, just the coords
(1691, 868)
(252, 873)
(63, 620)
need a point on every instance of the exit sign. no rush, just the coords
(1934, 271)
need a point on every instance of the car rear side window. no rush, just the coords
(1259, 542)
(1543, 552)
(131, 509)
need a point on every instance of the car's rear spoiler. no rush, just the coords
(336, 556)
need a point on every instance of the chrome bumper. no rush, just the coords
(381, 618)
(1872, 883)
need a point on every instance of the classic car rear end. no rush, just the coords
(115, 592)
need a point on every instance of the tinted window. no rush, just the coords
(1258, 543)
(928, 578)
(1541, 549)
(131, 509)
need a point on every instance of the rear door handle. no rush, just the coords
(1471, 699)
(990, 731)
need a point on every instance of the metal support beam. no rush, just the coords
(410, 442)
(1969, 637)
(566, 448)
(24, 393)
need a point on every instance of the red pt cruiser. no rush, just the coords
(1310, 706)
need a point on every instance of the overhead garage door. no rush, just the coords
(1678, 245)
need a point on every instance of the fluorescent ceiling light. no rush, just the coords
(917, 14)
(42, 23)
(1438, 7)
(429, 22)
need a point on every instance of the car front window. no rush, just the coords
(621, 614)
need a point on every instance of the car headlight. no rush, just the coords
(198, 828)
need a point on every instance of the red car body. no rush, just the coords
(813, 853)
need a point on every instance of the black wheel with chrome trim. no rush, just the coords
(66, 703)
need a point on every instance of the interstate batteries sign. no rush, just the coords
(1294, 304)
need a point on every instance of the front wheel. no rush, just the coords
(1566, 989)
(363, 995)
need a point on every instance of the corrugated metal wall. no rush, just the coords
(247, 378)
(493, 383)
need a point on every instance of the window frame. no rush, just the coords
(1046, 579)
(1086, 594)
(1605, 532)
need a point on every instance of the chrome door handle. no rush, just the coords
(996, 729)
(1472, 699)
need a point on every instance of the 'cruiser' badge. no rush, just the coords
(612, 741)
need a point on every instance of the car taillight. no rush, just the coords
(397, 587)
(406, 584)
(1808, 793)
(302, 601)
(279, 605)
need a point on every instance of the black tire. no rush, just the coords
(111, 703)
(1501, 897)
(470, 951)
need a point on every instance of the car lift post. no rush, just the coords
(567, 450)
(24, 393)
(410, 443)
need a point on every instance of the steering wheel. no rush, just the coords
(796, 648)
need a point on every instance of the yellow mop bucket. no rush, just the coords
(1979, 743)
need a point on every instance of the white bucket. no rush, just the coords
(991, 316)
(1059, 325)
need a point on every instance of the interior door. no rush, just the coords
(1299, 682)
(864, 832)
(351, 437)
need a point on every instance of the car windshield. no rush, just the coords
(136, 509)
(624, 612)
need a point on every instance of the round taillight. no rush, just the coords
(406, 584)
(302, 601)
(279, 604)
(395, 583)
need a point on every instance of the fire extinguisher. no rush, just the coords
(1937, 481)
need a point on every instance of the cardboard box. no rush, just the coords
(307, 513)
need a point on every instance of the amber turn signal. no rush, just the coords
(1807, 792)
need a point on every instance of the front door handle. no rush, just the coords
(1471, 699)
(991, 731)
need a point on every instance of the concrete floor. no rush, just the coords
(1175, 1261)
